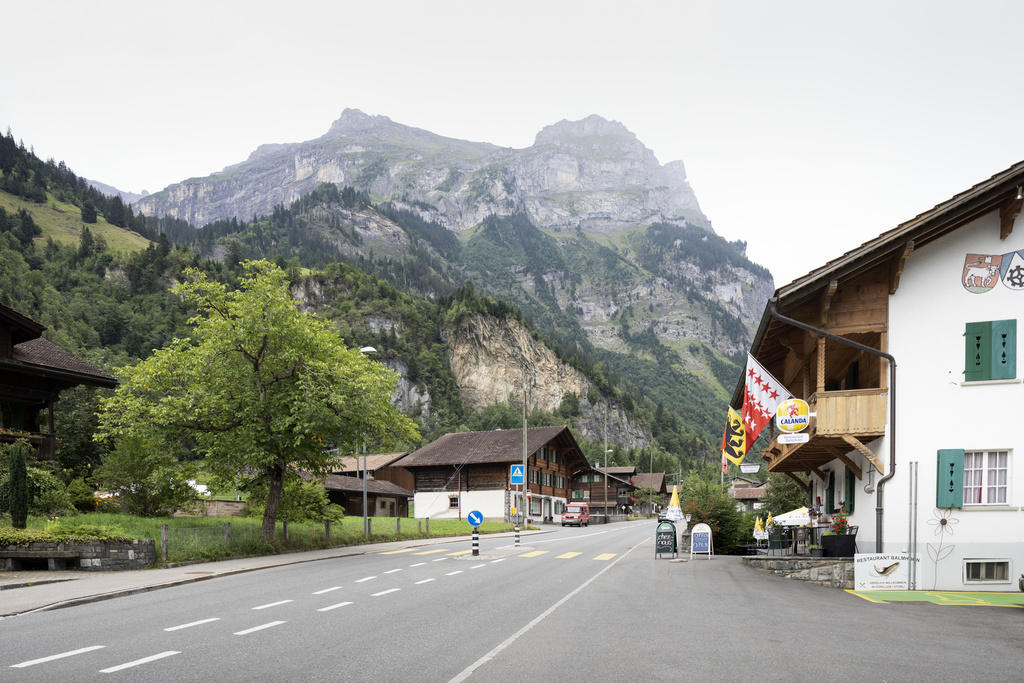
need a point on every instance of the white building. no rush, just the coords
(942, 295)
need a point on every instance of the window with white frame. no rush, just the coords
(986, 571)
(986, 477)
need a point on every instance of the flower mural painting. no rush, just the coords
(944, 523)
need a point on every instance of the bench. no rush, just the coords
(55, 559)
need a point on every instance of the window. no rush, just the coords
(580, 494)
(540, 454)
(990, 350)
(453, 501)
(986, 571)
(535, 506)
(985, 477)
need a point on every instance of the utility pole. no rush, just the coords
(606, 462)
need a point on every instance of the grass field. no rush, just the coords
(63, 222)
(197, 539)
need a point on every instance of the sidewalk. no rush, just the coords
(33, 591)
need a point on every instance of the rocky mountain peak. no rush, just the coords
(574, 132)
(355, 121)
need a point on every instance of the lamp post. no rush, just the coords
(366, 351)
(606, 463)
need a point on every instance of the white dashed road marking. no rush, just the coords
(192, 623)
(366, 578)
(330, 607)
(72, 653)
(326, 590)
(424, 581)
(137, 662)
(273, 604)
(390, 590)
(259, 628)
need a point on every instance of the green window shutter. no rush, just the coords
(851, 491)
(830, 492)
(977, 351)
(1004, 349)
(949, 491)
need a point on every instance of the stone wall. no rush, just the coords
(832, 572)
(91, 555)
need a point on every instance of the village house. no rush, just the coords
(930, 308)
(33, 372)
(588, 486)
(467, 471)
(655, 483)
(747, 493)
(388, 487)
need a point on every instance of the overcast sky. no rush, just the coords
(806, 127)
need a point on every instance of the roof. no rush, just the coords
(748, 492)
(995, 193)
(497, 446)
(652, 480)
(22, 327)
(40, 354)
(342, 482)
(618, 470)
(374, 462)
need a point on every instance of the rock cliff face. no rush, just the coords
(492, 358)
(592, 174)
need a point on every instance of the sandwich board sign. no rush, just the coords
(700, 541)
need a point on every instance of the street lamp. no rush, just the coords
(366, 350)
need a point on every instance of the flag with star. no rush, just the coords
(761, 395)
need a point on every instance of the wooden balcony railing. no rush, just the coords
(44, 444)
(854, 412)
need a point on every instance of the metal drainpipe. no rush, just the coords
(773, 312)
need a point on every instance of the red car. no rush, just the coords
(576, 513)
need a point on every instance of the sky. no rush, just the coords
(807, 128)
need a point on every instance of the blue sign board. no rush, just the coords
(515, 475)
(475, 518)
(701, 542)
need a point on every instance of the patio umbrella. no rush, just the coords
(798, 517)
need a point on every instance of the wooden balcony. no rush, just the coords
(845, 421)
(45, 445)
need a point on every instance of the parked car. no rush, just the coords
(576, 513)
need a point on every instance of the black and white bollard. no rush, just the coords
(476, 541)
(517, 534)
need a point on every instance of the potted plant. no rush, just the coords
(837, 541)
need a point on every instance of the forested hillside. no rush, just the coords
(112, 307)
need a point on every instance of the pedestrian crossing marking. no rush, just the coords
(395, 552)
(431, 552)
(535, 553)
(459, 552)
(567, 556)
(605, 556)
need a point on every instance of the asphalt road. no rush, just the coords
(574, 605)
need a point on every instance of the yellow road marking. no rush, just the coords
(431, 552)
(395, 552)
(864, 597)
(605, 556)
(567, 556)
(460, 552)
(535, 553)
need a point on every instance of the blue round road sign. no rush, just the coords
(475, 518)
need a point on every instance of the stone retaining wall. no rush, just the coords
(829, 571)
(92, 555)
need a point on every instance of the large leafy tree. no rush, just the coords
(260, 389)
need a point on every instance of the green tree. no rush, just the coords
(261, 389)
(17, 454)
(88, 212)
(709, 502)
(783, 495)
(147, 481)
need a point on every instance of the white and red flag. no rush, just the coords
(761, 395)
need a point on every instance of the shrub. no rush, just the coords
(148, 482)
(300, 501)
(82, 496)
(17, 485)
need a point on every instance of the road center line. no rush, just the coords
(72, 653)
(392, 571)
(468, 671)
(273, 604)
(137, 662)
(418, 564)
(365, 578)
(330, 607)
(440, 559)
(259, 628)
(192, 623)
(500, 559)
(326, 590)
(477, 566)
(424, 581)
(457, 571)
(390, 590)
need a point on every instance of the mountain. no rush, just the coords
(112, 191)
(606, 251)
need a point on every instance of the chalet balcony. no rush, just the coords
(846, 420)
(45, 445)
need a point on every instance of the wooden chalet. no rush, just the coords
(388, 488)
(33, 372)
(467, 471)
(654, 481)
(588, 486)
